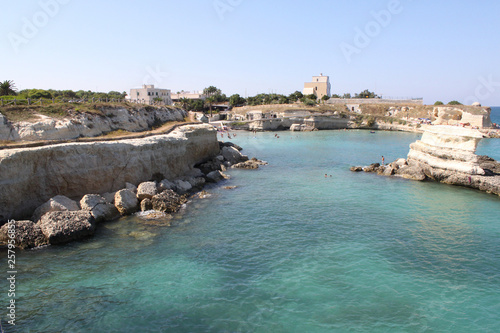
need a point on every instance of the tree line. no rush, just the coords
(8, 91)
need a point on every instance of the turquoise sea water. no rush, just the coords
(288, 250)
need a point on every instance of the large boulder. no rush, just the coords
(99, 207)
(233, 156)
(126, 202)
(196, 182)
(212, 165)
(216, 176)
(229, 144)
(168, 202)
(166, 184)
(57, 203)
(146, 190)
(182, 186)
(63, 226)
(27, 234)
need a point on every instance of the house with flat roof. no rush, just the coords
(189, 95)
(320, 86)
(148, 94)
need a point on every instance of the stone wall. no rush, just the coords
(375, 101)
(31, 176)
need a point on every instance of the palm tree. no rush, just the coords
(185, 103)
(7, 87)
(209, 101)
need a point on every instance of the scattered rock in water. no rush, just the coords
(57, 203)
(372, 167)
(168, 201)
(250, 164)
(202, 195)
(27, 235)
(65, 226)
(146, 205)
(100, 209)
(229, 187)
(229, 144)
(142, 235)
(182, 186)
(216, 176)
(126, 202)
(233, 156)
(356, 169)
(146, 190)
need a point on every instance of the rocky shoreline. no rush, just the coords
(61, 220)
(445, 154)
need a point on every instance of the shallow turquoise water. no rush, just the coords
(288, 250)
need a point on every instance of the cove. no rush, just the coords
(287, 250)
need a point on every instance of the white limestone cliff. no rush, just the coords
(87, 124)
(449, 148)
(31, 176)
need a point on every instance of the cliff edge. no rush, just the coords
(31, 176)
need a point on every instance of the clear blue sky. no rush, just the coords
(439, 50)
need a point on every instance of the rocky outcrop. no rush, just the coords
(64, 227)
(446, 154)
(31, 176)
(446, 149)
(27, 235)
(250, 164)
(88, 124)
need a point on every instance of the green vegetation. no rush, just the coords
(438, 103)
(366, 94)
(454, 103)
(370, 121)
(61, 110)
(236, 100)
(7, 88)
(309, 102)
(8, 92)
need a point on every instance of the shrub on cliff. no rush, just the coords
(454, 103)
(438, 103)
(309, 102)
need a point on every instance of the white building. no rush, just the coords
(148, 94)
(189, 95)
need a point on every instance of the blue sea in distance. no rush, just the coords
(287, 250)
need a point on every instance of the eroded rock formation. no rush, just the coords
(445, 154)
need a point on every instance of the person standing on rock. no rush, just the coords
(383, 161)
